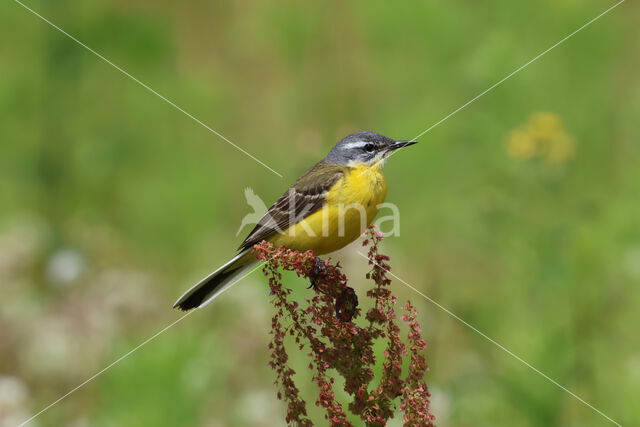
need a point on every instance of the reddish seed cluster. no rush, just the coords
(335, 344)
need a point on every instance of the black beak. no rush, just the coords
(401, 144)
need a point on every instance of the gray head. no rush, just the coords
(364, 148)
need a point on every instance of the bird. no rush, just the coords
(325, 209)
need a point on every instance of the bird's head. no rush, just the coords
(366, 148)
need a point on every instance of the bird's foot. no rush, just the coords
(319, 269)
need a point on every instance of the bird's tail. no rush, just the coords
(215, 283)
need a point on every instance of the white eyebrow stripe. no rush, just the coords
(355, 144)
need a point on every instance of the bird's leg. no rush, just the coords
(319, 269)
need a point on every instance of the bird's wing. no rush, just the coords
(306, 196)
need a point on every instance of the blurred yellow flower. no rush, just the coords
(543, 136)
(521, 145)
(545, 125)
(560, 149)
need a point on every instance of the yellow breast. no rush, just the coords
(351, 205)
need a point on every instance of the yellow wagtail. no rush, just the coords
(324, 210)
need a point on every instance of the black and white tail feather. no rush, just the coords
(207, 289)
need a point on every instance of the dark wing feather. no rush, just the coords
(306, 196)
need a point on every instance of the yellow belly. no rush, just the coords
(351, 206)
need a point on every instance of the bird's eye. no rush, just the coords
(369, 148)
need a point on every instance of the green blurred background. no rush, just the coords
(520, 214)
